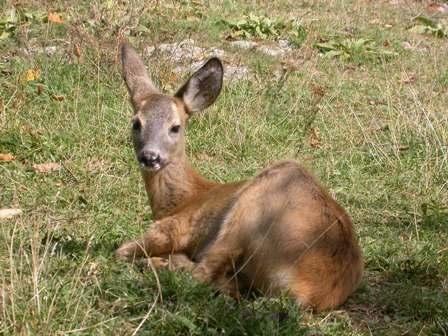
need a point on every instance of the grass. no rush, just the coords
(377, 139)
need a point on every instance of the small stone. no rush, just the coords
(50, 51)
(216, 52)
(183, 50)
(231, 72)
(407, 46)
(236, 72)
(190, 68)
(244, 44)
(272, 51)
(284, 44)
(149, 50)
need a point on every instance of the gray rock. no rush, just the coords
(216, 52)
(49, 51)
(149, 50)
(284, 44)
(190, 57)
(183, 50)
(273, 51)
(244, 44)
(233, 72)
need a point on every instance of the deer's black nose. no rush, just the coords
(149, 158)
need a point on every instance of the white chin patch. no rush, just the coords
(155, 168)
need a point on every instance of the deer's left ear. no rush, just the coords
(203, 87)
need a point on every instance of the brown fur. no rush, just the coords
(278, 232)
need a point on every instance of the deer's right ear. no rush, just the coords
(135, 75)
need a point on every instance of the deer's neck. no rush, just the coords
(173, 186)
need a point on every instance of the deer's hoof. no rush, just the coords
(126, 252)
(201, 274)
(158, 262)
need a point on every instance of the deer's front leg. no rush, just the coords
(173, 262)
(165, 236)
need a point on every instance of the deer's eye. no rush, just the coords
(136, 125)
(175, 129)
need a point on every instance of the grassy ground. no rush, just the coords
(371, 123)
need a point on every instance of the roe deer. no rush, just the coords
(277, 232)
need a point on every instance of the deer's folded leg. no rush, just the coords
(165, 236)
(217, 266)
(173, 262)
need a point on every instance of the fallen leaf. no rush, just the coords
(9, 213)
(6, 157)
(31, 75)
(290, 65)
(95, 165)
(318, 90)
(47, 167)
(376, 102)
(408, 78)
(406, 45)
(315, 141)
(4, 35)
(58, 97)
(77, 50)
(39, 89)
(55, 18)
(202, 156)
(29, 129)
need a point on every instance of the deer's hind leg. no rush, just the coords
(217, 266)
(259, 204)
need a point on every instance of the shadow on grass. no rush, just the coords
(127, 292)
(402, 293)
(392, 303)
(404, 288)
(189, 308)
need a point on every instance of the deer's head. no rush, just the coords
(159, 120)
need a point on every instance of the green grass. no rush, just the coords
(382, 150)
